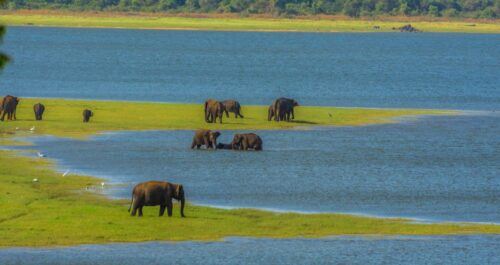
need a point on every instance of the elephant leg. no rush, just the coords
(140, 211)
(227, 113)
(198, 146)
(162, 209)
(134, 209)
(293, 115)
(169, 207)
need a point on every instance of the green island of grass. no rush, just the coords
(232, 23)
(59, 211)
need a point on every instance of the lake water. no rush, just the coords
(457, 71)
(337, 250)
(434, 169)
(439, 168)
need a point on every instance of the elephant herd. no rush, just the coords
(8, 107)
(154, 193)
(244, 141)
(281, 109)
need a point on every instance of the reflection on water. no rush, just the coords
(440, 168)
(339, 250)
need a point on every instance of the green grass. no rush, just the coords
(64, 117)
(67, 210)
(112, 20)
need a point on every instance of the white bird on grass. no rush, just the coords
(41, 155)
(35, 180)
(65, 173)
(102, 184)
(32, 128)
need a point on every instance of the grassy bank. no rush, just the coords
(151, 21)
(64, 117)
(59, 210)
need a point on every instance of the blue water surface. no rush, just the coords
(428, 70)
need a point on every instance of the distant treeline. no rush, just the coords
(353, 8)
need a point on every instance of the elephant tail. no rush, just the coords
(131, 203)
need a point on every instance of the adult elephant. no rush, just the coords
(232, 106)
(152, 193)
(247, 141)
(213, 109)
(283, 109)
(87, 114)
(205, 137)
(38, 108)
(9, 107)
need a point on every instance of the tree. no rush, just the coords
(4, 59)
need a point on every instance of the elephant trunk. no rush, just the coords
(183, 202)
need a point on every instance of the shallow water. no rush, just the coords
(457, 71)
(338, 250)
(434, 168)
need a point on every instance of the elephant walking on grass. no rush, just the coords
(283, 109)
(87, 114)
(8, 107)
(205, 137)
(247, 141)
(153, 193)
(213, 110)
(38, 108)
(232, 106)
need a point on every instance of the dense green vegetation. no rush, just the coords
(353, 8)
(3, 57)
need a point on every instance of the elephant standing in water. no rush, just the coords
(283, 109)
(247, 141)
(38, 108)
(87, 114)
(225, 146)
(205, 137)
(232, 106)
(152, 193)
(9, 107)
(213, 109)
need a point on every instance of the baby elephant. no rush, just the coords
(225, 146)
(247, 141)
(38, 108)
(87, 114)
(152, 193)
(205, 137)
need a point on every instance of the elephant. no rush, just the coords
(9, 107)
(152, 193)
(270, 112)
(283, 109)
(205, 137)
(247, 141)
(38, 108)
(225, 146)
(232, 106)
(213, 109)
(87, 114)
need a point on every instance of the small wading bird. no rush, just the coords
(41, 155)
(65, 173)
(35, 180)
(32, 128)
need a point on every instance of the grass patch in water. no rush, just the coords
(64, 117)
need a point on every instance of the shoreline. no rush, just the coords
(58, 211)
(231, 23)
